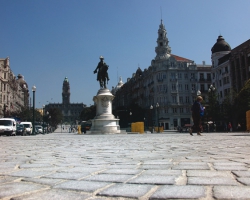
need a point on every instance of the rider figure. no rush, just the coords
(99, 66)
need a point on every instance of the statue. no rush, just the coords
(102, 74)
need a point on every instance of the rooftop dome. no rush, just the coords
(220, 45)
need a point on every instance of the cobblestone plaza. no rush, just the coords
(125, 166)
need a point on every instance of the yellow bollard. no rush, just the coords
(79, 129)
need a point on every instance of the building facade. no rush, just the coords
(70, 111)
(14, 93)
(165, 90)
(231, 67)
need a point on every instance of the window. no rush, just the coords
(173, 87)
(193, 87)
(202, 88)
(209, 77)
(166, 110)
(187, 99)
(181, 110)
(174, 99)
(180, 86)
(186, 86)
(161, 43)
(174, 110)
(179, 75)
(201, 76)
(181, 99)
(192, 75)
(220, 82)
(186, 76)
(4, 75)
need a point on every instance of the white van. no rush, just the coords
(28, 127)
(7, 126)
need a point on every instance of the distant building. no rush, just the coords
(14, 92)
(170, 81)
(231, 67)
(70, 111)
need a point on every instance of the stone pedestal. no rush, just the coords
(104, 121)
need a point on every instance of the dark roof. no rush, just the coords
(220, 45)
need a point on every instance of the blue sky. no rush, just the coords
(53, 39)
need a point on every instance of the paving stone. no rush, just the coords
(156, 179)
(86, 186)
(34, 165)
(242, 173)
(208, 173)
(159, 166)
(230, 167)
(179, 192)
(194, 167)
(16, 188)
(44, 181)
(245, 181)
(122, 171)
(211, 181)
(231, 192)
(28, 173)
(125, 190)
(162, 172)
(116, 178)
(5, 179)
(65, 175)
(53, 194)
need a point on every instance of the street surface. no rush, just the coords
(171, 165)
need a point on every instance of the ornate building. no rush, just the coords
(70, 111)
(231, 67)
(14, 93)
(166, 89)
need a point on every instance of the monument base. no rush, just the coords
(104, 122)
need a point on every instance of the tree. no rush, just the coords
(88, 113)
(242, 103)
(54, 117)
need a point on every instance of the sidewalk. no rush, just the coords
(125, 166)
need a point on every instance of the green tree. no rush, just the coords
(54, 116)
(242, 103)
(88, 113)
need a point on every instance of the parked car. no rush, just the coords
(38, 129)
(85, 126)
(7, 126)
(28, 127)
(20, 129)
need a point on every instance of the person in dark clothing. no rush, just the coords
(197, 113)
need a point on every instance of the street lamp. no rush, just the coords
(33, 90)
(157, 110)
(151, 110)
(43, 117)
(211, 91)
(48, 122)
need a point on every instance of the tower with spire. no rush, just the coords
(66, 92)
(162, 50)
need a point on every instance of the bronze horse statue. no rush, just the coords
(102, 74)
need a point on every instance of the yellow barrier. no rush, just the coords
(137, 127)
(79, 129)
(248, 120)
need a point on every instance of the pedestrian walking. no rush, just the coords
(229, 127)
(197, 113)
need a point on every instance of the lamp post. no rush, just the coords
(48, 122)
(211, 91)
(33, 90)
(198, 93)
(151, 111)
(43, 117)
(157, 110)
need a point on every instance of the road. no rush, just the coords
(125, 166)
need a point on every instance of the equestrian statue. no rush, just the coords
(102, 73)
